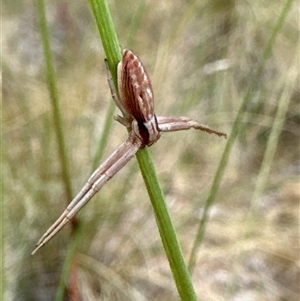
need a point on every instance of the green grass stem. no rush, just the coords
(263, 175)
(253, 86)
(54, 97)
(272, 143)
(104, 135)
(166, 229)
(58, 128)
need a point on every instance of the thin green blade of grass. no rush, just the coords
(166, 228)
(57, 119)
(263, 175)
(135, 24)
(58, 127)
(234, 133)
(115, 57)
(167, 231)
(108, 35)
(104, 135)
(68, 263)
(272, 143)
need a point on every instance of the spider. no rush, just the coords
(136, 102)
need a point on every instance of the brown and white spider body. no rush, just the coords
(136, 97)
(136, 102)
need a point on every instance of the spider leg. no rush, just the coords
(105, 172)
(173, 123)
(127, 118)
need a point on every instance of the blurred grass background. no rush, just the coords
(200, 56)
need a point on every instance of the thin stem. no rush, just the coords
(57, 120)
(113, 54)
(166, 229)
(58, 127)
(69, 263)
(263, 175)
(234, 133)
(104, 135)
(108, 35)
(283, 104)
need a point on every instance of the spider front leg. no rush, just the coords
(174, 123)
(126, 119)
(105, 172)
